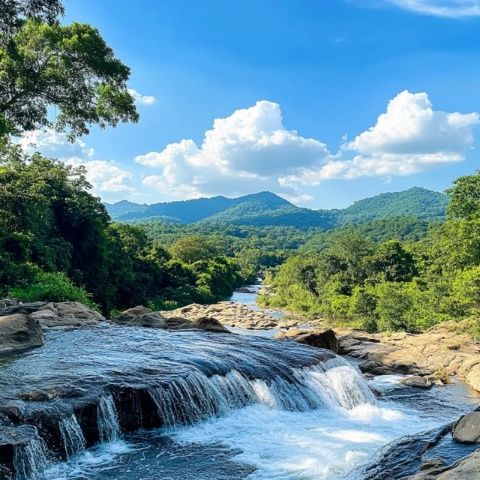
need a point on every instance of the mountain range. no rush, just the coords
(268, 209)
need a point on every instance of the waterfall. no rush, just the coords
(30, 458)
(72, 436)
(107, 420)
(332, 384)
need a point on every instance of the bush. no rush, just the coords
(51, 287)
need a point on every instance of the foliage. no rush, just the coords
(49, 221)
(51, 287)
(391, 285)
(70, 67)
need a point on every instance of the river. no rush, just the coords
(207, 406)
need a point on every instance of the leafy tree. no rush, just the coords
(45, 64)
(191, 249)
(465, 197)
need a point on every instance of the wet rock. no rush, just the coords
(467, 429)
(417, 382)
(19, 332)
(377, 368)
(209, 324)
(316, 338)
(141, 317)
(8, 302)
(34, 396)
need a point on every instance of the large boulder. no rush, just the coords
(141, 317)
(417, 382)
(467, 429)
(315, 338)
(19, 332)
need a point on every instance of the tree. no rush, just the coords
(69, 67)
(392, 263)
(193, 248)
(13, 14)
(465, 197)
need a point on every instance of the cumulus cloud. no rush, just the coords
(241, 153)
(105, 177)
(410, 137)
(53, 144)
(142, 99)
(441, 8)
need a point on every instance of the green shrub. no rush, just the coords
(51, 287)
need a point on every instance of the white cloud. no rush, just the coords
(441, 8)
(410, 137)
(242, 153)
(142, 99)
(105, 177)
(53, 144)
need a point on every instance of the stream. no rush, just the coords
(143, 404)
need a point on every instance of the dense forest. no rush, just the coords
(363, 278)
(391, 262)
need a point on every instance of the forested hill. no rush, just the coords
(268, 209)
(415, 202)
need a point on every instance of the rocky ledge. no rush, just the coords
(22, 324)
(435, 355)
(227, 313)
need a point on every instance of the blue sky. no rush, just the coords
(295, 86)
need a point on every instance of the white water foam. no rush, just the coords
(323, 443)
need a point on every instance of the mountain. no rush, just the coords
(415, 202)
(191, 211)
(266, 208)
(124, 207)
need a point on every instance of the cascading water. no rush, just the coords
(107, 420)
(30, 458)
(279, 409)
(72, 435)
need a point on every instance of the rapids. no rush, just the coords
(141, 404)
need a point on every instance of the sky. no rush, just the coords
(323, 102)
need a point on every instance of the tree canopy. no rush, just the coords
(44, 64)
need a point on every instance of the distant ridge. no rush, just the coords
(269, 209)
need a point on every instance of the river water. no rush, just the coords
(225, 407)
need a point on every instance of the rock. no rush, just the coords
(209, 324)
(65, 315)
(19, 332)
(315, 338)
(417, 382)
(467, 468)
(245, 290)
(56, 315)
(34, 396)
(8, 302)
(141, 317)
(473, 377)
(227, 313)
(467, 429)
(374, 368)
